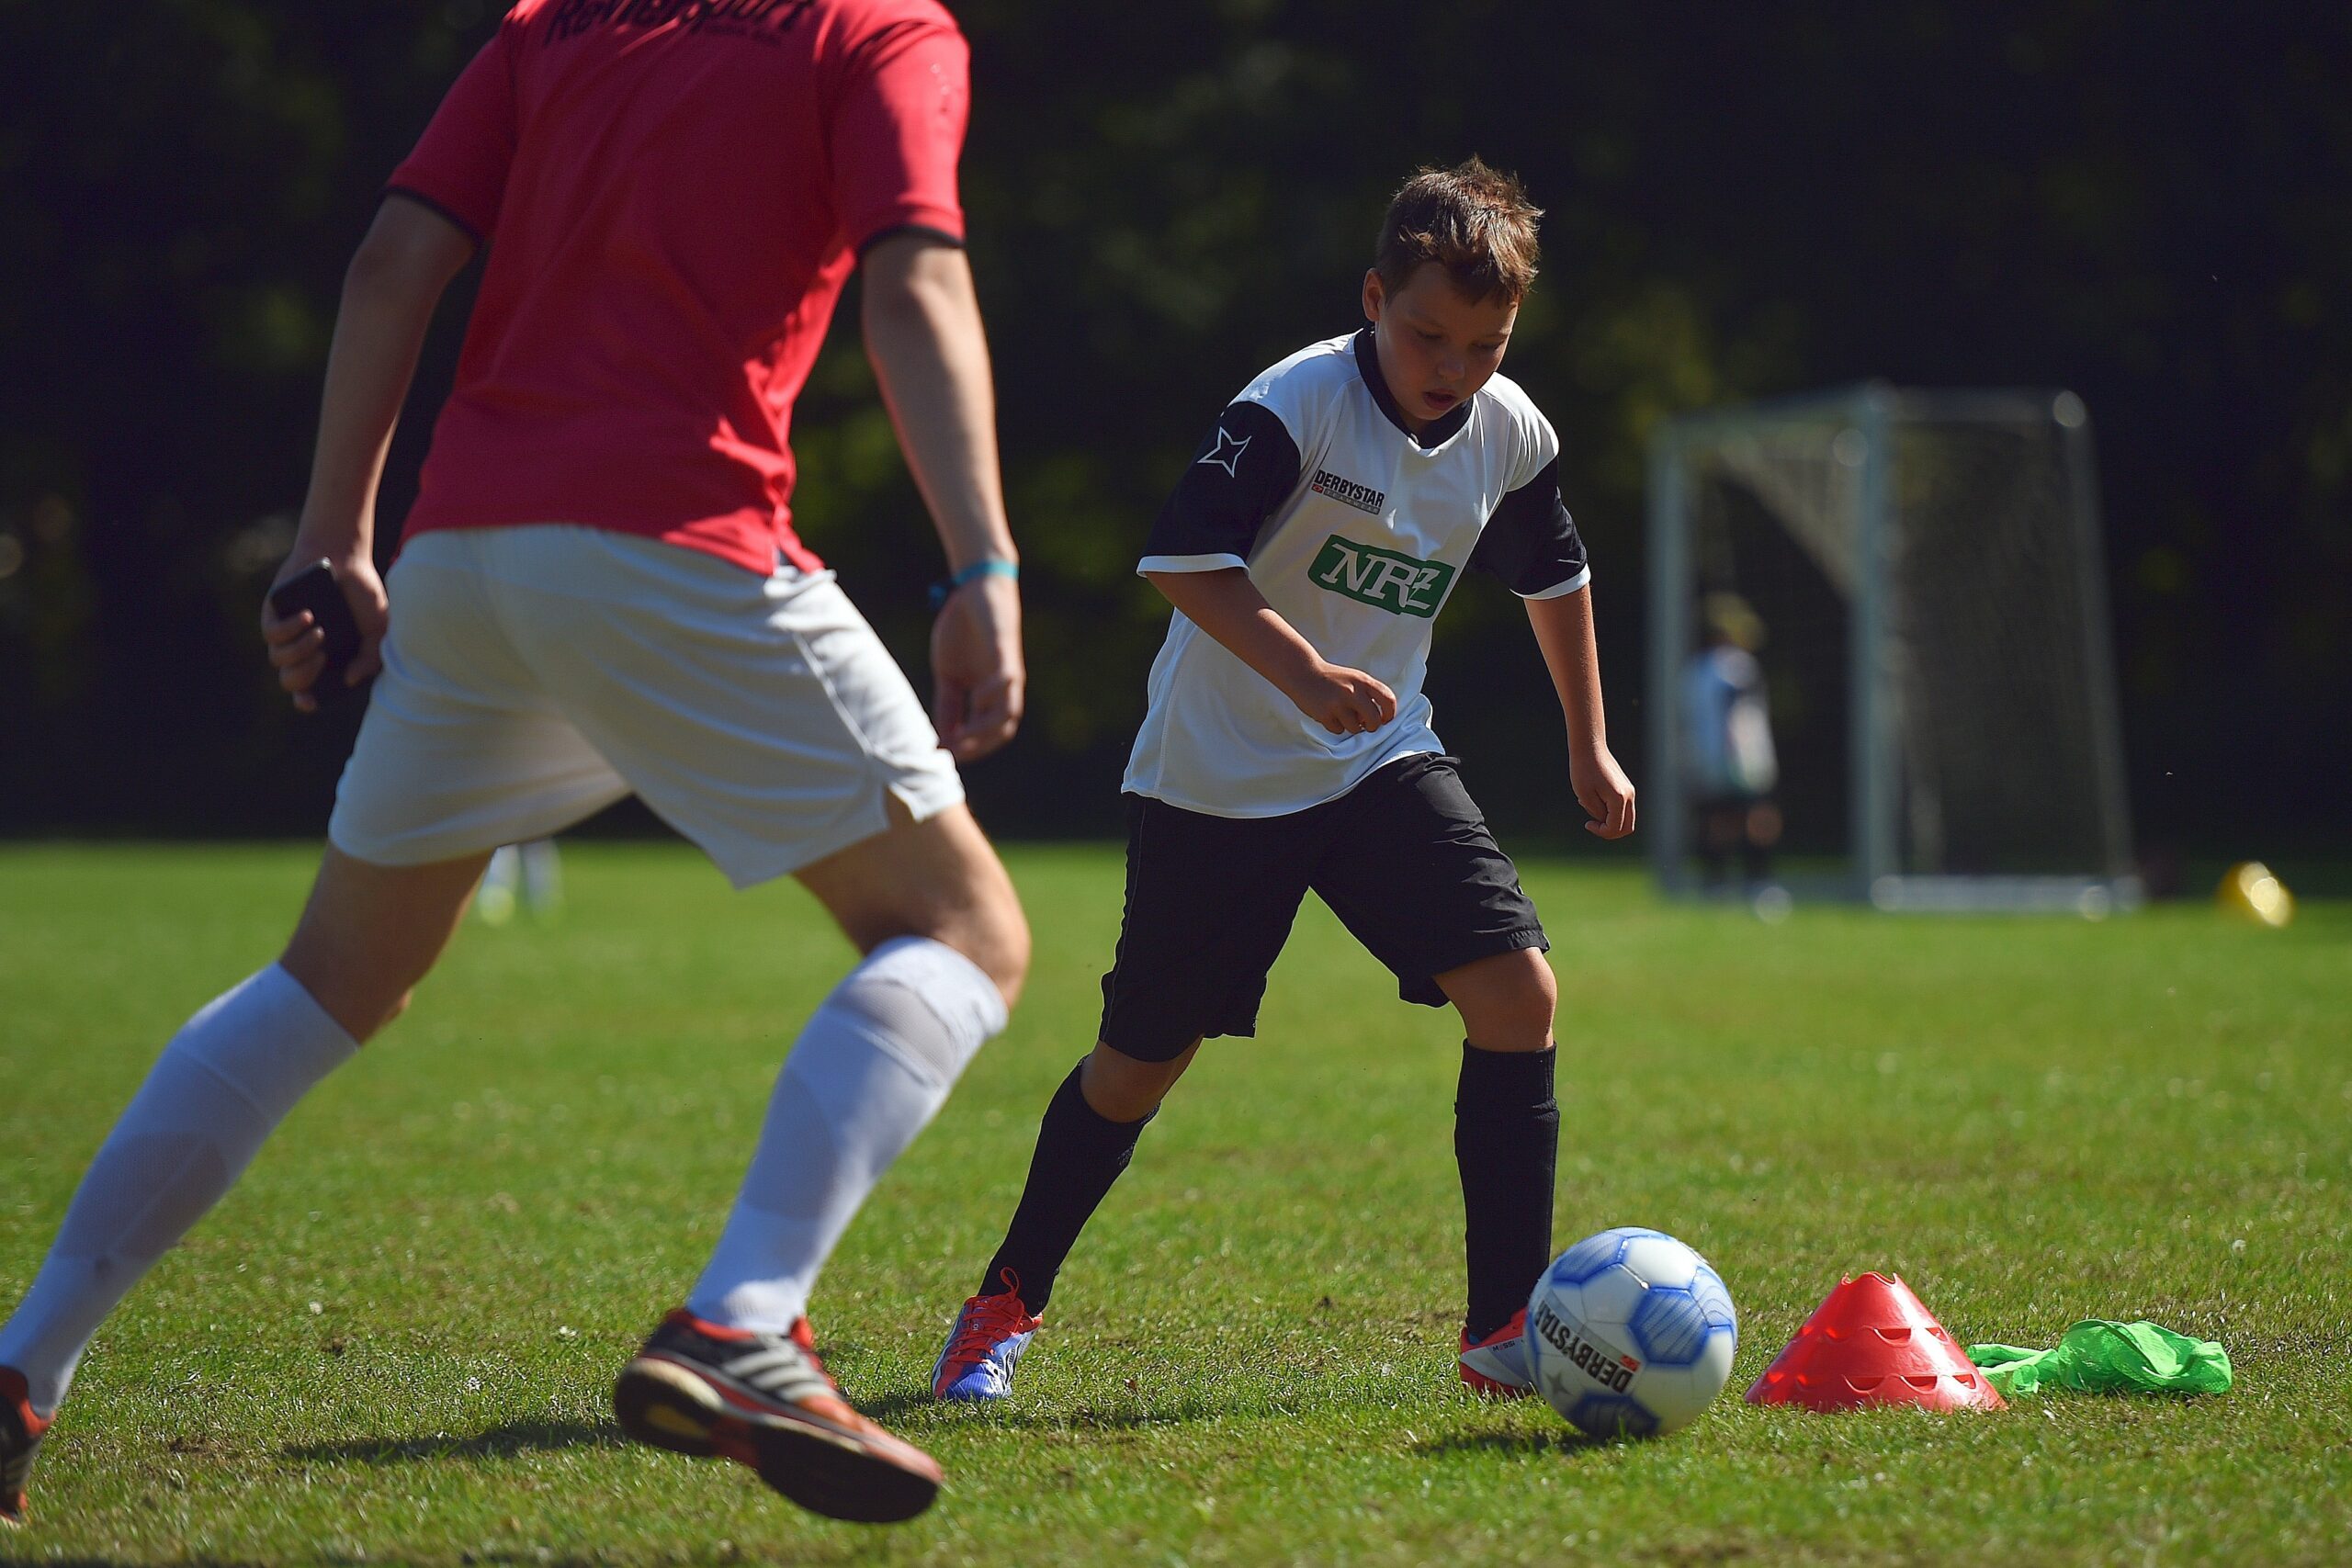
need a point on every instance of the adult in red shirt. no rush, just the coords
(600, 593)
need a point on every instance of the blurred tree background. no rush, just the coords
(2152, 205)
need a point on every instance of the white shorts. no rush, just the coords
(535, 675)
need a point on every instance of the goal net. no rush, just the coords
(1920, 573)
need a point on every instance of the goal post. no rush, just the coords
(1926, 580)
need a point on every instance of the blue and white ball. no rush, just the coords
(1630, 1334)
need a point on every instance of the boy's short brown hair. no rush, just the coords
(1475, 221)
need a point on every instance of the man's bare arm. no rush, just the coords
(930, 352)
(395, 281)
(1228, 607)
(1564, 631)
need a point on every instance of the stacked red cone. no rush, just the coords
(1874, 1342)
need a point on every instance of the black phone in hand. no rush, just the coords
(314, 588)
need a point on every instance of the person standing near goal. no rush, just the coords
(1726, 721)
(600, 593)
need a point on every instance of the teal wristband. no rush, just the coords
(991, 566)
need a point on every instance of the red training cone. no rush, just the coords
(1873, 1343)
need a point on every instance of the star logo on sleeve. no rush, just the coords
(1227, 451)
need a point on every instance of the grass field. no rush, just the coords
(395, 1341)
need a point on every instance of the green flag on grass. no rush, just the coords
(2099, 1357)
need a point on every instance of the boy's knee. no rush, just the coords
(1506, 1002)
(1119, 1088)
(1521, 1023)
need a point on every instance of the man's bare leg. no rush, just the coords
(945, 949)
(370, 932)
(938, 878)
(221, 1087)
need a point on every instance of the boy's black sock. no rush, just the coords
(1080, 1152)
(1506, 1140)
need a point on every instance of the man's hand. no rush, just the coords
(1603, 790)
(1343, 701)
(295, 642)
(981, 685)
(396, 278)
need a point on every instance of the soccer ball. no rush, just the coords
(1630, 1334)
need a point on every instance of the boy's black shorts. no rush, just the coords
(1403, 859)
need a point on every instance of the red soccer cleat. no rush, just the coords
(20, 1434)
(1496, 1365)
(990, 1335)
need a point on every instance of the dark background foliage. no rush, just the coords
(2150, 205)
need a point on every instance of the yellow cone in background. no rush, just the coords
(2250, 892)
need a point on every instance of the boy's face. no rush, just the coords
(1436, 346)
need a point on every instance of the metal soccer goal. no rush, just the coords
(1923, 571)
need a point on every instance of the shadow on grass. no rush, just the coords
(1572, 1443)
(526, 1556)
(922, 1411)
(918, 1410)
(498, 1442)
(520, 1554)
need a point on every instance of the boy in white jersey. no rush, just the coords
(1306, 551)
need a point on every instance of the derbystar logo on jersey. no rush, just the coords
(1363, 498)
(1385, 580)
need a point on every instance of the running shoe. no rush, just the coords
(986, 1343)
(20, 1434)
(1496, 1365)
(764, 1401)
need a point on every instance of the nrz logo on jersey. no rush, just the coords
(1363, 498)
(1616, 1374)
(1383, 578)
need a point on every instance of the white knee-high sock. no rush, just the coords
(221, 1085)
(872, 1066)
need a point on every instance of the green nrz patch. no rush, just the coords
(1383, 579)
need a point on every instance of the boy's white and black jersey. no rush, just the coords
(1355, 531)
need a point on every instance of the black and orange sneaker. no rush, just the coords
(764, 1401)
(1497, 1366)
(20, 1434)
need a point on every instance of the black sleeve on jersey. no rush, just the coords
(1233, 483)
(1530, 542)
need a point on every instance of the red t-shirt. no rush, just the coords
(673, 193)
